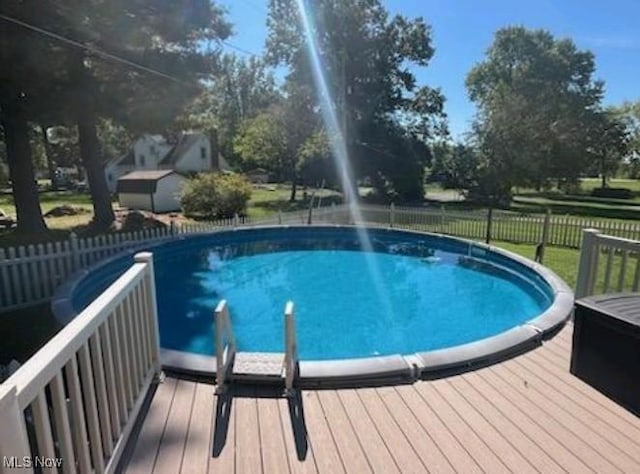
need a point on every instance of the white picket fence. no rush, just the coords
(562, 231)
(30, 274)
(77, 399)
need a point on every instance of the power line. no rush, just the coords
(93, 50)
(238, 48)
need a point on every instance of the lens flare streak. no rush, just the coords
(328, 107)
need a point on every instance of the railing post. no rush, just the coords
(236, 220)
(545, 236)
(291, 349)
(224, 353)
(489, 223)
(14, 442)
(279, 217)
(392, 214)
(152, 305)
(75, 251)
(586, 270)
(333, 219)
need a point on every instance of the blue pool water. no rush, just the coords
(426, 296)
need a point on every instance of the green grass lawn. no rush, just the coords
(562, 261)
(267, 200)
(588, 184)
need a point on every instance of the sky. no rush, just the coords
(463, 31)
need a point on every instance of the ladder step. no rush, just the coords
(258, 365)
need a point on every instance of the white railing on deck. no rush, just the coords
(225, 345)
(607, 264)
(78, 397)
(290, 349)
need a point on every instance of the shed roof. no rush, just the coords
(142, 182)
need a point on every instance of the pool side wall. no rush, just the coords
(369, 370)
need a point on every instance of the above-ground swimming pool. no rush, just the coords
(366, 302)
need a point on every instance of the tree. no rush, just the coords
(262, 142)
(536, 97)
(629, 114)
(236, 91)
(314, 160)
(609, 143)
(455, 166)
(29, 89)
(365, 56)
(161, 36)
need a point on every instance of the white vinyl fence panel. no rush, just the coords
(30, 274)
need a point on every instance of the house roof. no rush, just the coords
(142, 182)
(177, 152)
(127, 159)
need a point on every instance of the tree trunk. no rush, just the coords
(603, 174)
(89, 144)
(22, 173)
(51, 166)
(294, 188)
(103, 215)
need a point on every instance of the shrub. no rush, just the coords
(616, 193)
(215, 195)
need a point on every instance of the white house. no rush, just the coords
(193, 153)
(151, 190)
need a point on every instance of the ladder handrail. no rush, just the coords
(225, 343)
(291, 348)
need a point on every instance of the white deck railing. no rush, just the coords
(607, 264)
(78, 397)
(225, 345)
(290, 349)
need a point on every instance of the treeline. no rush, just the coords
(540, 123)
(88, 76)
(79, 80)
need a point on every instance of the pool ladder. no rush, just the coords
(264, 367)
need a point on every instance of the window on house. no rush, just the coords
(141, 160)
(152, 149)
(203, 153)
(110, 177)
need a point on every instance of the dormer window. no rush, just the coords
(152, 149)
(141, 160)
(203, 153)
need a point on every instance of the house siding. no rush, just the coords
(135, 201)
(192, 161)
(166, 198)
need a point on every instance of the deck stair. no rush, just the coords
(260, 367)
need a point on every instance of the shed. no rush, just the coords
(153, 190)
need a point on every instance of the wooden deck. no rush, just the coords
(528, 414)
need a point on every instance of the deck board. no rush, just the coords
(148, 441)
(171, 449)
(199, 438)
(272, 445)
(525, 414)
